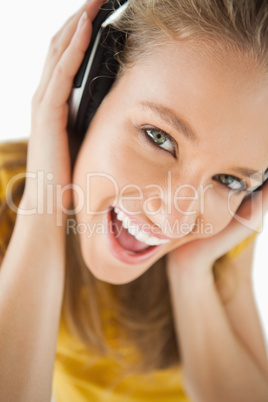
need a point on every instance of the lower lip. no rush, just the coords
(124, 255)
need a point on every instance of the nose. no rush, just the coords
(175, 212)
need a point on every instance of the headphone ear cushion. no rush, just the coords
(97, 90)
(91, 100)
(102, 76)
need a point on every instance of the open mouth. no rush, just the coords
(128, 241)
(123, 234)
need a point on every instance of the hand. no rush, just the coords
(204, 252)
(48, 151)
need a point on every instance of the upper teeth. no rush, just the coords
(135, 231)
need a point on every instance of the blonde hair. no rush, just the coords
(141, 311)
(241, 24)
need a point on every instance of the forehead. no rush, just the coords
(211, 66)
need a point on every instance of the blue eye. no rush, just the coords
(231, 182)
(161, 139)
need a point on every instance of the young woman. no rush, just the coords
(135, 267)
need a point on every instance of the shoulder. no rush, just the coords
(12, 161)
(12, 150)
(12, 168)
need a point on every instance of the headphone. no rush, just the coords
(96, 73)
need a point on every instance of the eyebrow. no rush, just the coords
(168, 116)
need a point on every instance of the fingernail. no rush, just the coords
(82, 20)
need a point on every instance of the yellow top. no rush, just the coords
(80, 375)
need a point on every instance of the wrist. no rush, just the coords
(199, 266)
(189, 277)
(41, 205)
(29, 212)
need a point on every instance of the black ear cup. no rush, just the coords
(95, 76)
(105, 74)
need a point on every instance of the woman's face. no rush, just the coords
(173, 146)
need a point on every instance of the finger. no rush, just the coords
(60, 42)
(64, 36)
(247, 222)
(253, 209)
(91, 7)
(60, 85)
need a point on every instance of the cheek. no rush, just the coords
(216, 212)
(114, 164)
(93, 173)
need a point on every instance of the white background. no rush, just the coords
(25, 31)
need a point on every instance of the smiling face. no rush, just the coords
(168, 153)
